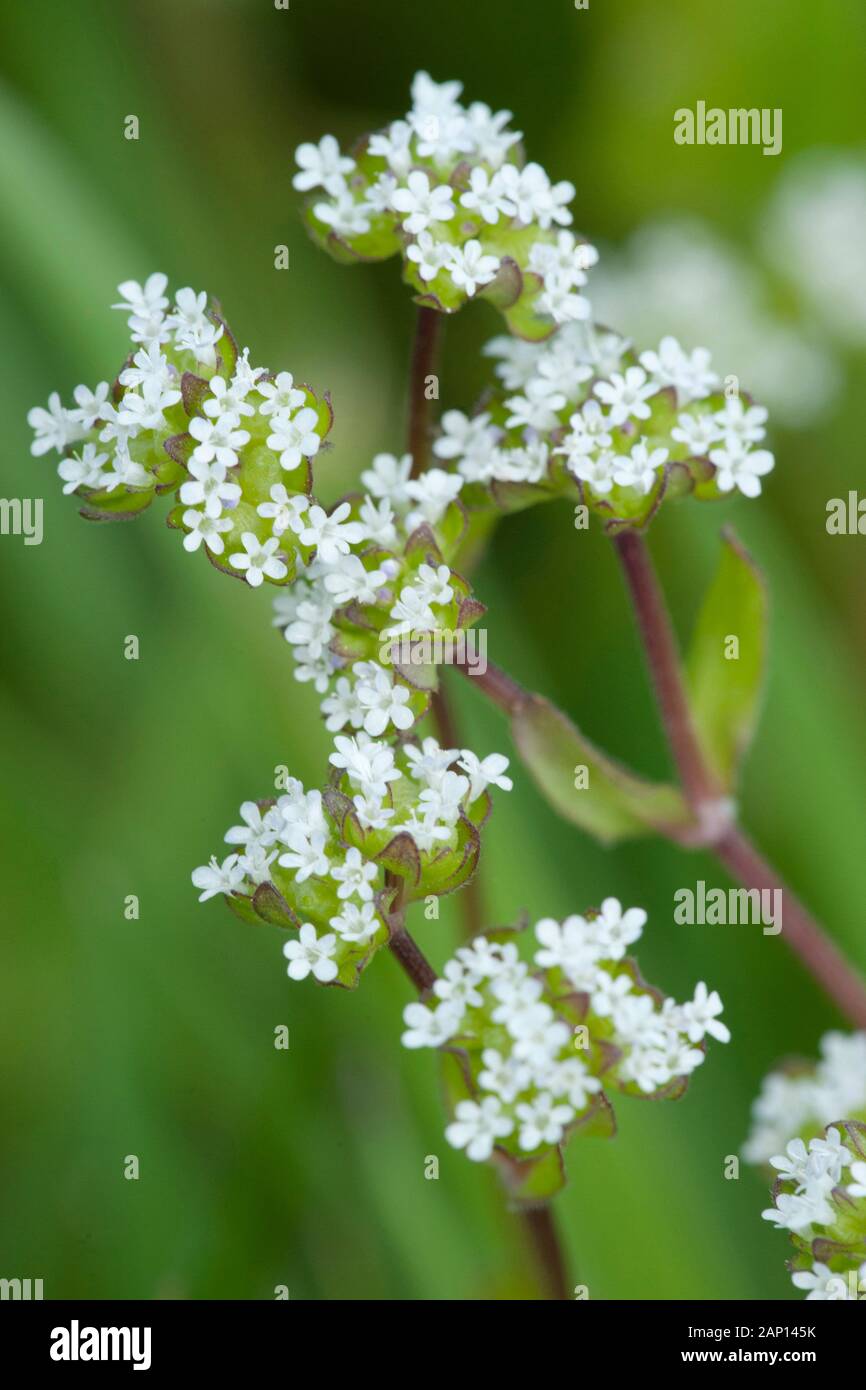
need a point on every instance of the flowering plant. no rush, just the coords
(366, 590)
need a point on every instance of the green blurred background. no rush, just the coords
(155, 1037)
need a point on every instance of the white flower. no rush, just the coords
(341, 707)
(445, 801)
(214, 878)
(457, 986)
(294, 437)
(485, 128)
(744, 422)
(639, 469)
(477, 1127)
(380, 193)
(351, 582)
(89, 405)
(615, 930)
(382, 703)
(217, 439)
(388, 477)
(344, 215)
(311, 953)
(322, 166)
(258, 560)
(422, 205)
(371, 812)
(429, 255)
(306, 852)
(145, 304)
(332, 535)
(701, 1016)
(689, 372)
(125, 471)
(393, 145)
(209, 488)
(193, 329)
(205, 528)
(280, 395)
(537, 408)
(542, 1121)
(823, 1284)
(356, 922)
(697, 432)
(229, 397)
(369, 765)
(798, 1213)
(82, 470)
(377, 519)
(284, 512)
(506, 1076)
(427, 1027)
(537, 1034)
(354, 875)
(625, 394)
(433, 493)
(571, 1078)
(485, 196)
(740, 466)
(256, 829)
(54, 428)
(484, 772)
(470, 268)
(532, 198)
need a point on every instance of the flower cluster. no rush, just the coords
(367, 618)
(188, 414)
(820, 1197)
(449, 189)
(802, 1098)
(584, 412)
(534, 1047)
(317, 861)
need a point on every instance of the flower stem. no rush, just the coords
(540, 1226)
(425, 349)
(803, 933)
(660, 649)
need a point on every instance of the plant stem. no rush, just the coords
(425, 349)
(803, 933)
(662, 656)
(540, 1226)
(819, 954)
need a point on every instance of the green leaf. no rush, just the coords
(725, 689)
(585, 785)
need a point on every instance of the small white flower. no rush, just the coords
(344, 215)
(354, 876)
(306, 852)
(311, 953)
(322, 166)
(422, 205)
(689, 372)
(640, 468)
(470, 268)
(701, 1016)
(542, 1121)
(208, 487)
(256, 829)
(217, 439)
(214, 878)
(429, 255)
(82, 470)
(294, 437)
(280, 395)
(857, 1188)
(427, 1027)
(697, 432)
(387, 478)
(746, 423)
(433, 493)
(283, 511)
(477, 1127)
(625, 395)
(485, 196)
(333, 534)
(258, 560)
(484, 772)
(54, 428)
(356, 922)
(205, 528)
(741, 467)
